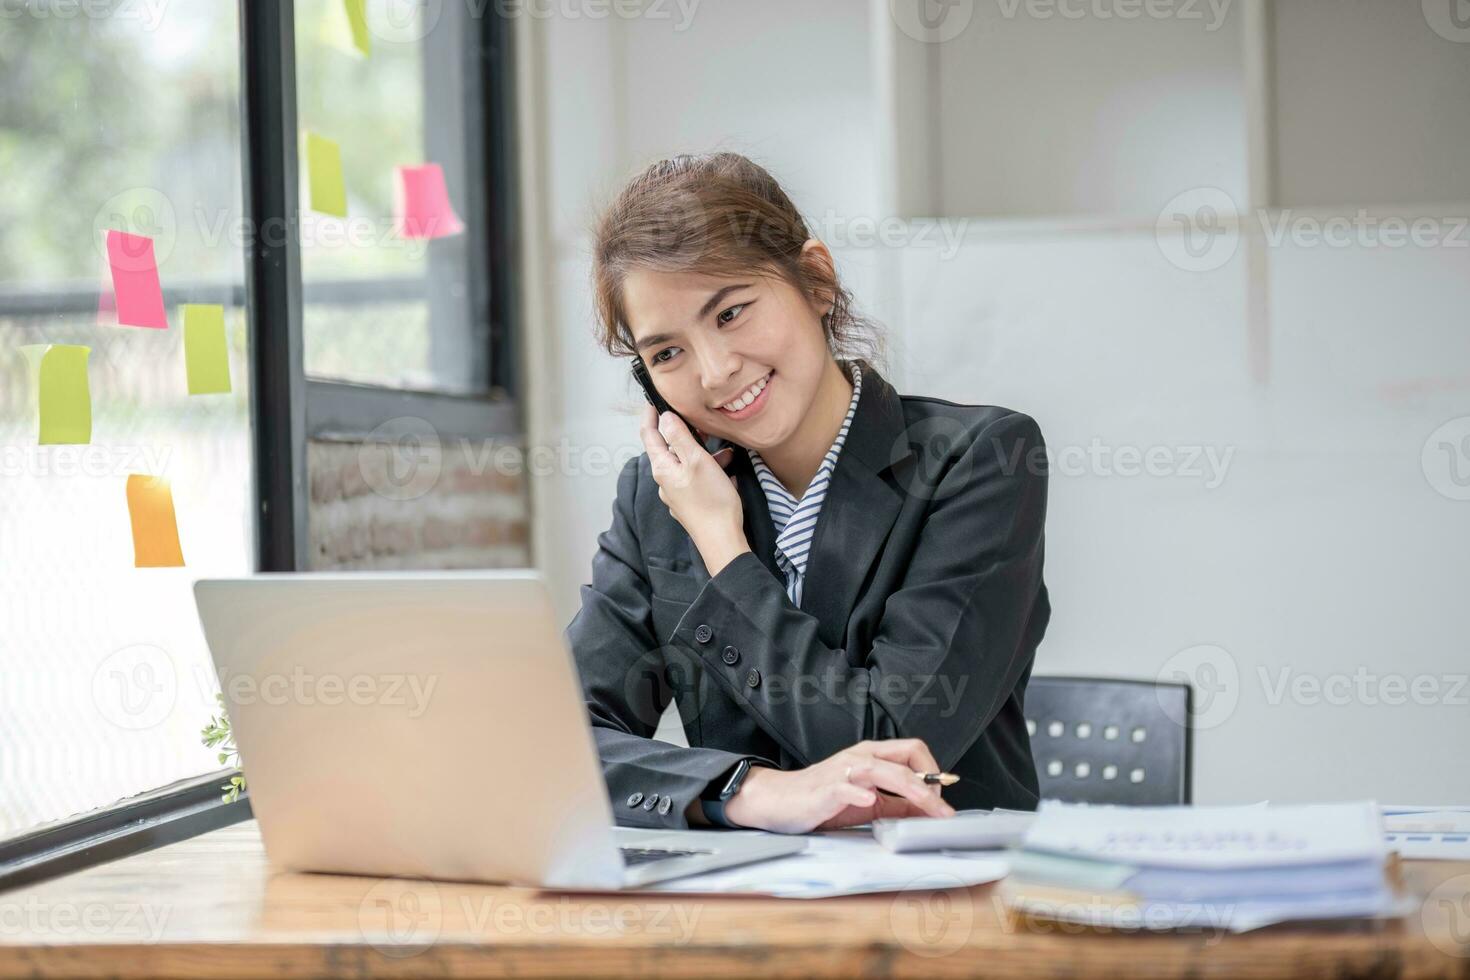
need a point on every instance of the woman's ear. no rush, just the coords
(819, 266)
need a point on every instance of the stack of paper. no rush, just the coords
(1224, 867)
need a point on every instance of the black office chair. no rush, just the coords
(1098, 740)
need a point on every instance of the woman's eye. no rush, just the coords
(735, 310)
(659, 357)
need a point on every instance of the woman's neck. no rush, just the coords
(796, 461)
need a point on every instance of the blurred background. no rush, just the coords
(1217, 248)
(1172, 233)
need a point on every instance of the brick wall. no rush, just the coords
(373, 507)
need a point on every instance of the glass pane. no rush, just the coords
(110, 120)
(390, 295)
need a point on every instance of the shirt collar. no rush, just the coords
(777, 493)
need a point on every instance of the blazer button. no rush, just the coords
(635, 799)
(731, 656)
(651, 802)
(753, 679)
(702, 633)
(664, 806)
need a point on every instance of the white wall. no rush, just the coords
(1318, 547)
(1324, 551)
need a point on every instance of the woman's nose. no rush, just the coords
(717, 367)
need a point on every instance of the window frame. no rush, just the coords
(288, 409)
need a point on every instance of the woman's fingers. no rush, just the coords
(899, 779)
(912, 752)
(848, 805)
(677, 435)
(654, 443)
(851, 794)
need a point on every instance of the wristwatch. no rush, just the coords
(713, 800)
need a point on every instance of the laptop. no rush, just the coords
(430, 725)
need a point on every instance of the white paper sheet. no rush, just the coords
(841, 863)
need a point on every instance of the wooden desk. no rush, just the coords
(210, 907)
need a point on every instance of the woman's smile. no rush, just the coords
(754, 405)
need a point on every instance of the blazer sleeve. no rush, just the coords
(954, 638)
(623, 674)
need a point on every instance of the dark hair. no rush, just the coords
(716, 214)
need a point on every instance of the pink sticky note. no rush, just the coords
(135, 286)
(422, 208)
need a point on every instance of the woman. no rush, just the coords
(857, 599)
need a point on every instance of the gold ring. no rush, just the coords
(847, 776)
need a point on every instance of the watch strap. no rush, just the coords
(712, 803)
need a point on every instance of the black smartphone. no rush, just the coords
(640, 372)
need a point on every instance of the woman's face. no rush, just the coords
(709, 341)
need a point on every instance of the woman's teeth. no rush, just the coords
(748, 397)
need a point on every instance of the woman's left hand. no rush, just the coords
(699, 493)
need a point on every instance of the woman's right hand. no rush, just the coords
(842, 790)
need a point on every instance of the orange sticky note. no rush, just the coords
(421, 207)
(136, 291)
(155, 528)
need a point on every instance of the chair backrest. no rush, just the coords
(1099, 740)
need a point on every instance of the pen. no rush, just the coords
(930, 778)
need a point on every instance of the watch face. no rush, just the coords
(736, 778)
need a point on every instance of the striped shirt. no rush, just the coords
(795, 520)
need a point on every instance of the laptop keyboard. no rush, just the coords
(643, 855)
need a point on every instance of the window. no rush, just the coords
(188, 125)
(386, 304)
(114, 123)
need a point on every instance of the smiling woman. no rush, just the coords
(806, 600)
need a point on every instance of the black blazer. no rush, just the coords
(922, 607)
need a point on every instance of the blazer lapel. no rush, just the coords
(861, 505)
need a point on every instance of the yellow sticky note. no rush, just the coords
(357, 18)
(324, 175)
(206, 354)
(63, 397)
(155, 529)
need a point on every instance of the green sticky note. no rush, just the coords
(64, 399)
(206, 354)
(324, 174)
(357, 18)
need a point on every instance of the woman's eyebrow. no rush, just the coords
(718, 295)
(654, 339)
(704, 311)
